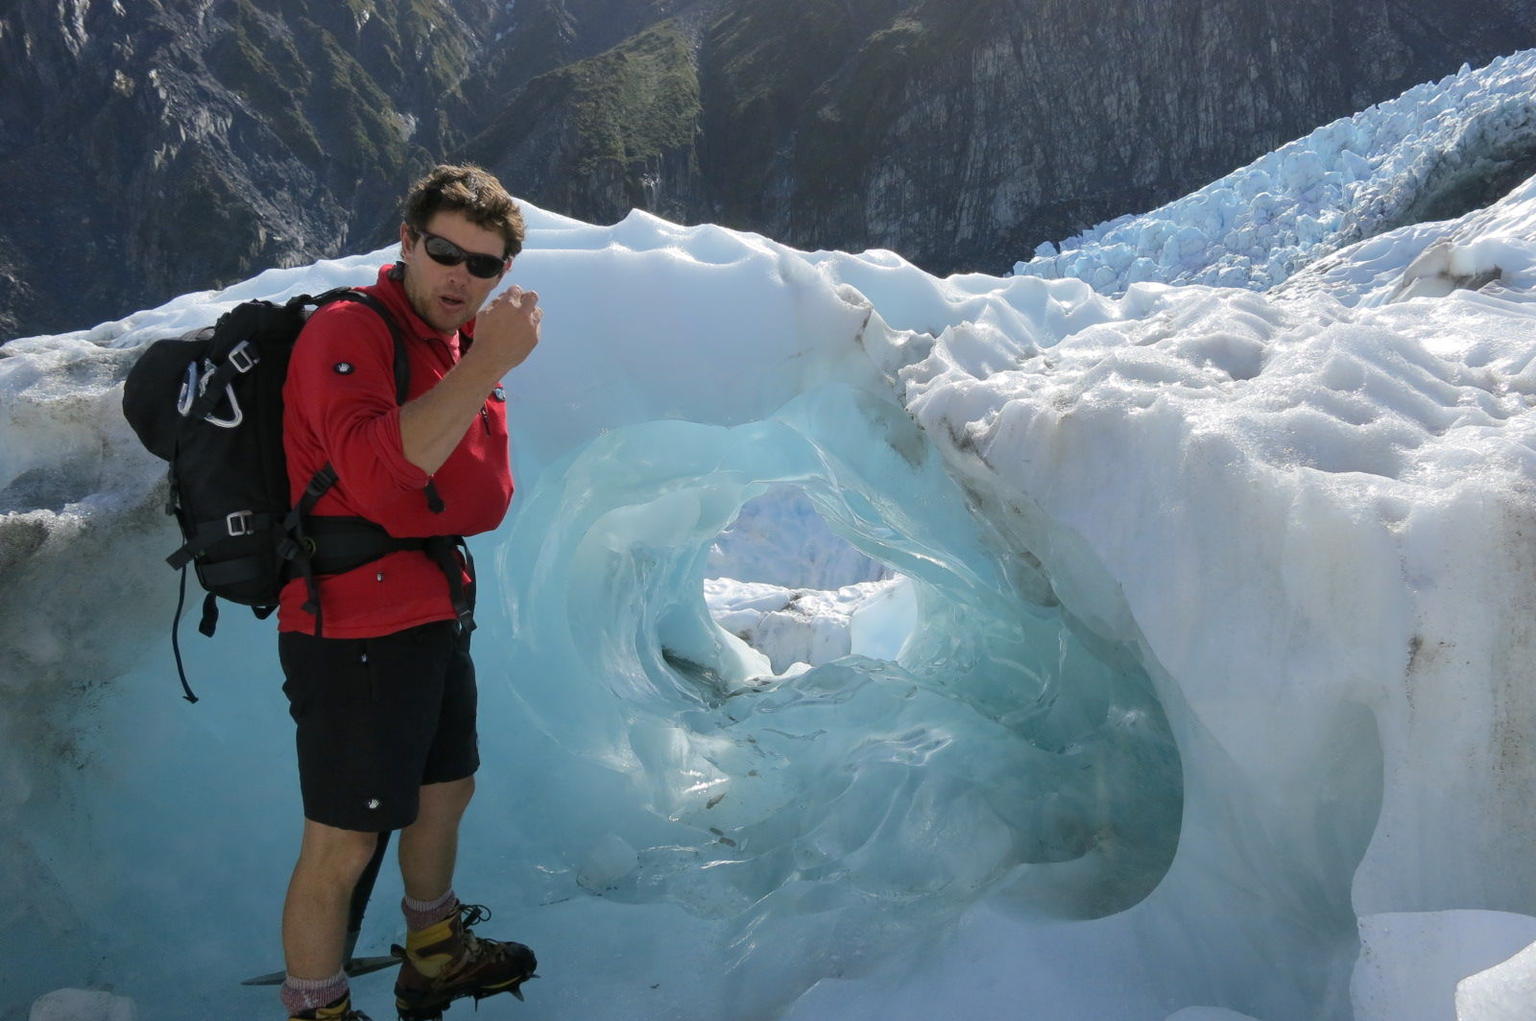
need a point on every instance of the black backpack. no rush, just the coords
(211, 404)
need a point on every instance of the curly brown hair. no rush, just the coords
(470, 190)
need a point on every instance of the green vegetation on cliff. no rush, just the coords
(297, 79)
(762, 83)
(592, 138)
(267, 72)
(627, 106)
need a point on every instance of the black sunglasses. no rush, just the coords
(449, 254)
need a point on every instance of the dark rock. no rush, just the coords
(154, 148)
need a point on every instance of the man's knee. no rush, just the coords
(447, 799)
(339, 854)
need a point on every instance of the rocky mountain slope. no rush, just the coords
(149, 148)
(154, 148)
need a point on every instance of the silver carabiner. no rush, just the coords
(236, 417)
(189, 390)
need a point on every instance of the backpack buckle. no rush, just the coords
(239, 523)
(242, 357)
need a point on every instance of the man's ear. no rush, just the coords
(405, 237)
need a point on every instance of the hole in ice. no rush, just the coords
(982, 741)
(778, 538)
(783, 581)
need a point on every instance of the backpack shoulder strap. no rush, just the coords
(402, 363)
(325, 477)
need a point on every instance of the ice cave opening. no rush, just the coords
(976, 739)
(785, 582)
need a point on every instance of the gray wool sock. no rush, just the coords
(301, 994)
(420, 914)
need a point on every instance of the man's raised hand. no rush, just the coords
(509, 326)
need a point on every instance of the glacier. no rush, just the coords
(1439, 150)
(868, 645)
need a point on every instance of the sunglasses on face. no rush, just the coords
(441, 250)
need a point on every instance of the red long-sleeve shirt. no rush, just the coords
(339, 407)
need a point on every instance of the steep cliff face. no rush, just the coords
(542, 35)
(151, 148)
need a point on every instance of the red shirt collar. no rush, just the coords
(391, 289)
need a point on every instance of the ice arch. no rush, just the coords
(1000, 745)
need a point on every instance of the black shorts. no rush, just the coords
(377, 719)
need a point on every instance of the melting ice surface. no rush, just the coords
(1181, 664)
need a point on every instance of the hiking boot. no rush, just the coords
(447, 961)
(340, 1010)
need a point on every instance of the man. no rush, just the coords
(384, 695)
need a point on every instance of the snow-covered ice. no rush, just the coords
(868, 645)
(1503, 992)
(82, 1005)
(814, 626)
(1399, 163)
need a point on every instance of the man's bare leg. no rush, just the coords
(429, 846)
(444, 960)
(319, 896)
